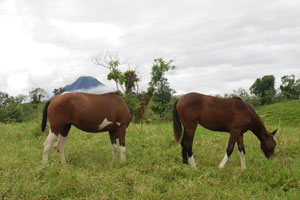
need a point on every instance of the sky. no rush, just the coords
(217, 46)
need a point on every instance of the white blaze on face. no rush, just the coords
(104, 124)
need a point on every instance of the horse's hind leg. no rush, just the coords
(47, 145)
(61, 147)
(121, 133)
(113, 138)
(241, 148)
(187, 145)
(61, 143)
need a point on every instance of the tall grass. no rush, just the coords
(153, 169)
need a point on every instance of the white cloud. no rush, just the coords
(218, 46)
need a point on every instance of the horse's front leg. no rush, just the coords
(61, 146)
(234, 135)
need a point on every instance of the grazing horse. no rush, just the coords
(231, 115)
(88, 112)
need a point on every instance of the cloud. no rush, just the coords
(217, 46)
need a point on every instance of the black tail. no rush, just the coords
(176, 123)
(44, 120)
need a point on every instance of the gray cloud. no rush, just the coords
(217, 46)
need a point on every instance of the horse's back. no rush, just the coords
(88, 111)
(214, 113)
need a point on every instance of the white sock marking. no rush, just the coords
(114, 151)
(47, 145)
(223, 161)
(192, 161)
(122, 151)
(104, 124)
(243, 160)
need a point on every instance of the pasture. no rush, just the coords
(153, 167)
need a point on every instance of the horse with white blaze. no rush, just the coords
(88, 112)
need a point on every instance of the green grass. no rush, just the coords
(289, 110)
(153, 167)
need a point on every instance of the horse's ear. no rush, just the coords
(274, 132)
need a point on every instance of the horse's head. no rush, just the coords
(268, 144)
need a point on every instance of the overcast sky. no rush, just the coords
(218, 46)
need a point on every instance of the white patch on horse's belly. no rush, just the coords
(118, 123)
(104, 124)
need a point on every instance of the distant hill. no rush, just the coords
(84, 83)
(290, 111)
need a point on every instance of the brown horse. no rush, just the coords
(231, 115)
(88, 112)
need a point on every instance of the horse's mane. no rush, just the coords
(249, 106)
(252, 109)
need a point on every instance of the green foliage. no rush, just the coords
(290, 88)
(11, 109)
(161, 99)
(159, 86)
(264, 89)
(58, 91)
(130, 80)
(116, 76)
(159, 69)
(132, 101)
(36, 96)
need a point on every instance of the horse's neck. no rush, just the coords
(259, 129)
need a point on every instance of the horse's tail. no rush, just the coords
(44, 120)
(176, 123)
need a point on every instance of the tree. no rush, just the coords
(161, 98)
(264, 89)
(289, 87)
(131, 81)
(158, 85)
(111, 61)
(10, 108)
(36, 95)
(4, 99)
(58, 91)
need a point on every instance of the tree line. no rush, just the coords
(155, 102)
(263, 90)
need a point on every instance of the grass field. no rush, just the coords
(153, 169)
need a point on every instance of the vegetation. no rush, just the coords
(159, 91)
(289, 110)
(264, 89)
(153, 169)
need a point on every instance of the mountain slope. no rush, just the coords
(84, 83)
